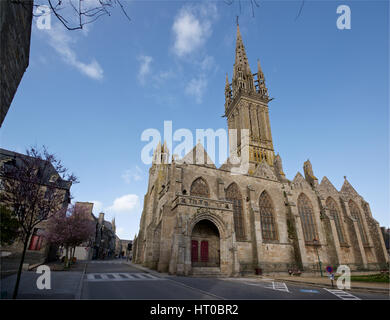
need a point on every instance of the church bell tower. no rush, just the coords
(246, 107)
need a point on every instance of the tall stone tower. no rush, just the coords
(246, 107)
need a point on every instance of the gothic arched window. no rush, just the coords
(199, 188)
(305, 210)
(233, 194)
(334, 212)
(268, 228)
(355, 213)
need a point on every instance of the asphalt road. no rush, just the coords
(116, 280)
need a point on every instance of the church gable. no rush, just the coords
(300, 182)
(198, 156)
(226, 165)
(348, 191)
(326, 187)
(263, 170)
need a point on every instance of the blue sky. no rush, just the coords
(89, 95)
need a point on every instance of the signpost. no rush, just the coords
(329, 269)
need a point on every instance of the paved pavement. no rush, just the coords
(121, 280)
(118, 279)
(64, 285)
(325, 281)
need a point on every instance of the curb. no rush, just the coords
(145, 269)
(315, 284)
(80, 287)
(33, 266)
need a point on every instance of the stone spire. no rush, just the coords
(161, 154)
(242, 75)
(228, 92)
(261, 88)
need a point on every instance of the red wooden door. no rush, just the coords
(204, 251)
(33, 242)
(194, 251)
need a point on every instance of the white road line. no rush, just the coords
(97, 277)
(106, 261)
(278, 286)
(342, 294)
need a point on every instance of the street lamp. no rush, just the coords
(315, 242)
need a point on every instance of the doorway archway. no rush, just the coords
(205, 245)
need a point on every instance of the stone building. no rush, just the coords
(15, 34)
(104, 242)
(201, 219)
(37, 249)
(105, 238)
(85, 250)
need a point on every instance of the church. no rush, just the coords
(198, 219)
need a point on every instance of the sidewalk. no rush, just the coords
(380, 287)
(64, 284)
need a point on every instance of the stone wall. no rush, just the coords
(15, 33)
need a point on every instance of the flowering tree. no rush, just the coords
(70, 228)
(34, 186)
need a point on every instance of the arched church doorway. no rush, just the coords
(205, 245)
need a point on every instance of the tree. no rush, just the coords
(74, 14)
(70, 227)
(35, 186)
(9, 227)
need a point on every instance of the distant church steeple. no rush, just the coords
(242, 75)
(246, 107)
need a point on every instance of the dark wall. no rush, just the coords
(15, 34)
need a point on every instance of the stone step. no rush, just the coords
(206, 271)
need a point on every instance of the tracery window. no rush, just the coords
(355, 213)
(199, 188)
(233, 194)
(334, 212)
(305, 210)
(268, 228)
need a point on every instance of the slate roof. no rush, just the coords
(15, 159)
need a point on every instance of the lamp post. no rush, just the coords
(315, 242)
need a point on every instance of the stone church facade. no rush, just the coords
(201, 219)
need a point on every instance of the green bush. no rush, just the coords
(380, 277)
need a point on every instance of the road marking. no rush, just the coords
(96, 277)
(309, 291)
(107, 261)
(342, 294)
(278, 286)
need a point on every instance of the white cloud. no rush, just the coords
(207, 64)
(192, 27)
(125, 203)
(196, 88)
(61, 42)
(121, 233)
(132, 174)
(97, 206)
(144, 69)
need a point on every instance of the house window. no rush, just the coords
(233, 194)
(267, 217)
(305, 210)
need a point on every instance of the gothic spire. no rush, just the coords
(262, 89)
(228, 92)
(242, 75)
(241, 58)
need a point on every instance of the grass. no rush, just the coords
(380, 277)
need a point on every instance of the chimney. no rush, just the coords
(101, 217)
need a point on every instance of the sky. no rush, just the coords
(89, 95)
